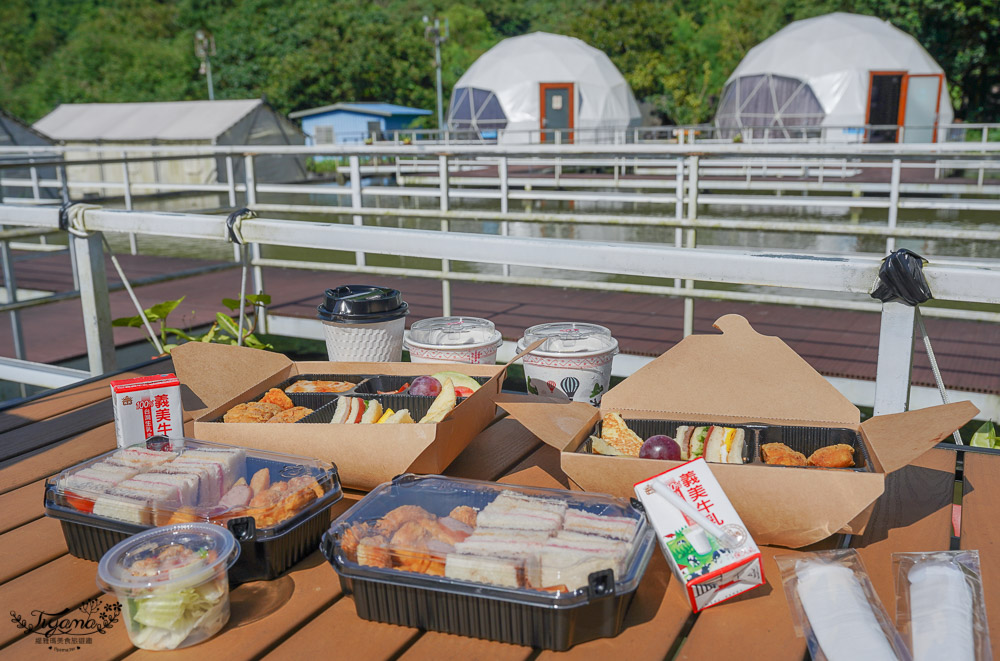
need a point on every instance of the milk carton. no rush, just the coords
(709, 569)
(147, 406)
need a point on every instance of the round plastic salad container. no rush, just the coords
(453, 340)
(574, 360)
(172, 583)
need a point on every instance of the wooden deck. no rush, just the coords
(838, 343)
(304, 614)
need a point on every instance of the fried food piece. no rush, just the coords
(779, 454)
(465, 514)
(833, 456)
(320, 386)
(293, 414)
(352, 537)
(261, 481)
(394, 519)
(275, 396)
(372, 551)
(251, 412)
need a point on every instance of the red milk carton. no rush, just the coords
(147, 406)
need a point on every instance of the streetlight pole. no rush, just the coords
(204, 49)
(433, 33)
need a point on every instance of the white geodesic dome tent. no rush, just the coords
(841, 71)
(503, 91)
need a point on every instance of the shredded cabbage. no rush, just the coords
(167, 619)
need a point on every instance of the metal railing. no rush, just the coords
(850, 275)
(689, 181)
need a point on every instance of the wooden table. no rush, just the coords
(305, 615)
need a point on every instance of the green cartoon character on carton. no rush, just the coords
(691, 560)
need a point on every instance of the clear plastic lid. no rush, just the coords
(453, 331)
(536, 545)
(174, 557)
(193, 481)
(567, 337)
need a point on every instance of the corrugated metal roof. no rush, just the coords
(374, 108)
(173, 120)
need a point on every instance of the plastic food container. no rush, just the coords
(575, 360)
(453, 340)
(277, 521)
(801, 439)
(541, 567)
(363, 323)
(172, 583)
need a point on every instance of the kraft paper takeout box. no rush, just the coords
(742, 376)
(216, 377)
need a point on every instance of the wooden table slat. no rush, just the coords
(21, 505)
(30, 546)
(980, 530)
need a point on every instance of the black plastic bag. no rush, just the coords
(901, 278)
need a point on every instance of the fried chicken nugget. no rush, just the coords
(293, 414)
(352, 537)
(833, 456)
(465, 514)
(779, 454)
(251, 412)
(392, 521)
(372, 551)
(275, 396)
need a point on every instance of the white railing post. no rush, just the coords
(691, 239)
(890, 242)
(504, 203)
(356, 201)
(679, 208)
(895, 358)
(231, 184)
(256, 269)
(558, 167)
(982, 170)
(10, 283)
(36, 191)
(133, 245)
(445, 264)
(94, 301)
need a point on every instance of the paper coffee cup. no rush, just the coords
(453, 340)
(574, 361)
(363, 323)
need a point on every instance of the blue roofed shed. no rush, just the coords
(354, 122)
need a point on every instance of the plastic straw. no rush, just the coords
(684, 506)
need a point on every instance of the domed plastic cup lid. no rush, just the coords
(453, 331)
(566, 337)
(362, 304)
(177, 556)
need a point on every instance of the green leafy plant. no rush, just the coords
(224, 330)
(986, 437)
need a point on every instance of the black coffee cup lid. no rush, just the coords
(362, 304)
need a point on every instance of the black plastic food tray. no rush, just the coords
(418, 407)
(387, 383)
(809, 439)
(312, 400)
(484, 617)
(647, 428)
(90, 537)
(802, 439)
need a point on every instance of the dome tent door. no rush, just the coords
(556, 102)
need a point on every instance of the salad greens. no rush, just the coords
(164, 619)
(986, 437)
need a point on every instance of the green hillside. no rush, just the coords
(302, 53)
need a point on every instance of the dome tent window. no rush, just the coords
(475, 109)
(770, 103)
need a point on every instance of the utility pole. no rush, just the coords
(204, 49)
(433, 33)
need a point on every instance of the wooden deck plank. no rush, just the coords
(30, 546)
(914, 514)
(52, 430)
(338, 628)
(435, 646)
(113, 643)
(21, 505)
(264, 612)
(69, 400)
(53, 587)
(981, 532)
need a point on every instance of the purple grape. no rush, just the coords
(426, 386)
(660, 447)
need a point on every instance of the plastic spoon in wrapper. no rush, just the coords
(731, 540)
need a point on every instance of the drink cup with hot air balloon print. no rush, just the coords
(573, 362)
